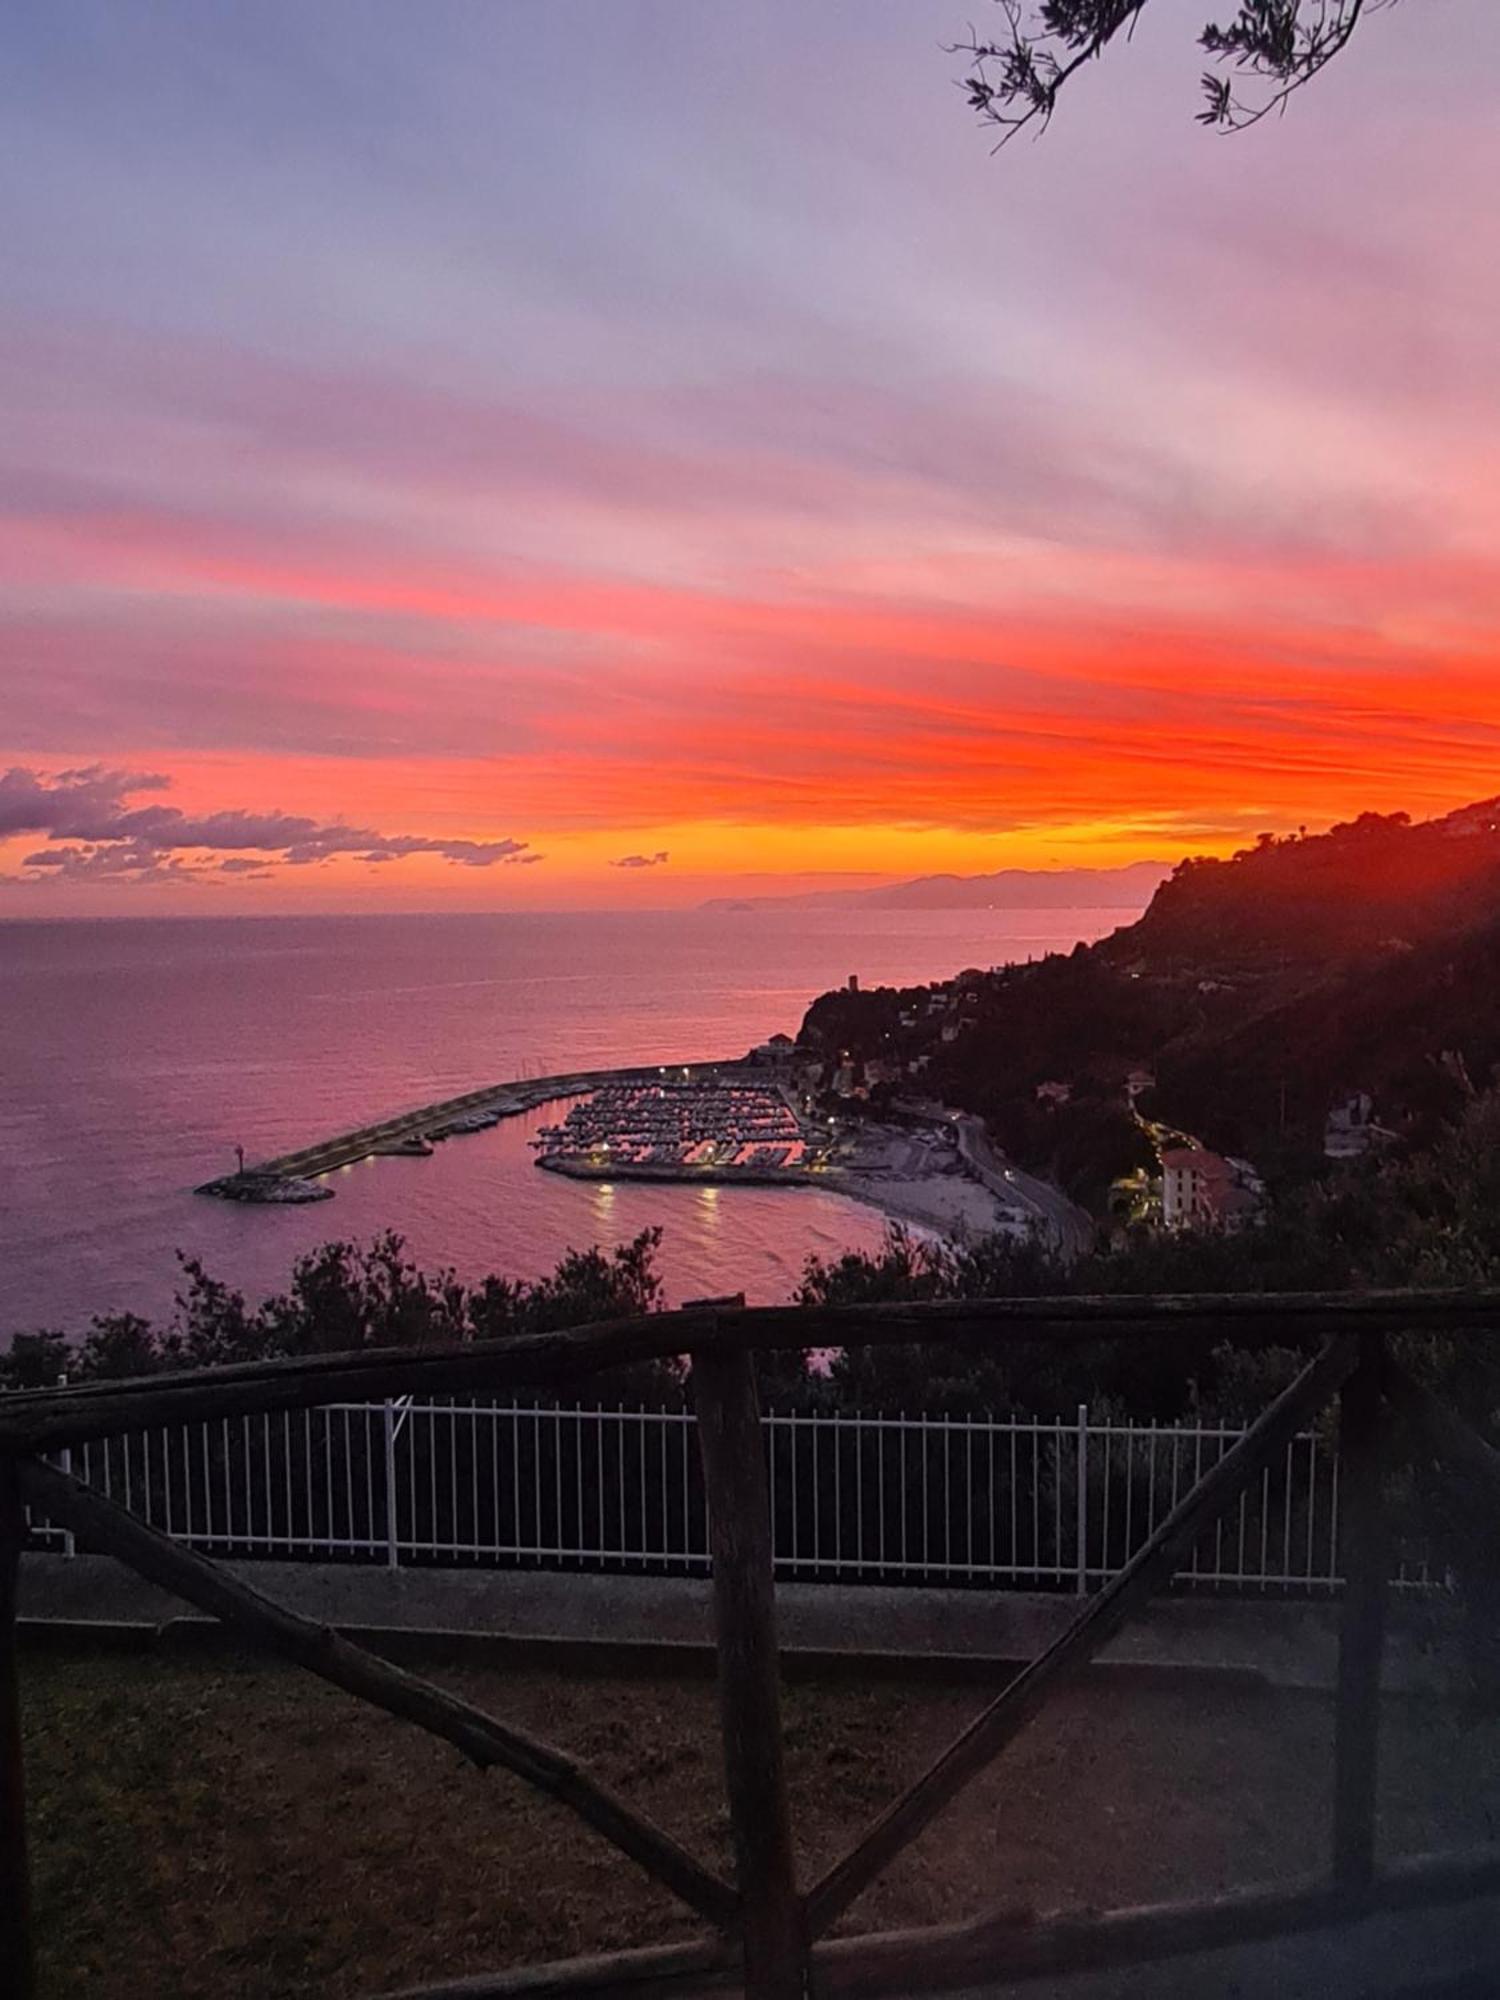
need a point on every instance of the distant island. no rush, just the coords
(1127, 888)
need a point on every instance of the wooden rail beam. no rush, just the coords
(739, 1526)
(1147, 1572)
(41, 1420)
(1365, 1551)
(898, 1965)
(17, 1970)
(481, 1737)
(644, 1972)
(895, 1965)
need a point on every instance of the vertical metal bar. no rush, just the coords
(603, 1541)
(817, 1504)
(859, 1493)
(1362, 1622)
(349, 1534)
(1081, 1566)
(881, 1434)
(1107, 1566)
(392, 1548)
(1197, 1480)
(1058, 1480)
(1015, 1511)
(838, 1491)
(309, 1507)
(796, 1499)
(496, 1538)
(369, 1457)
(666, 1519)
(65, 1464)
(413, 1516)
(925, 1434)
(904, 1528)
(327, 1416)
(687, 1507)
(265, 1450)
(286, 1473)
(621, 1542)
(450, 1411)
(17, 1968)
(990, 1539)
(948, 1492)
(640, 1460)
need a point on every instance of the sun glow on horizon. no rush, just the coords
(719, 504)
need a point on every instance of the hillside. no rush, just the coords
(1371, 884)
(1259, 991)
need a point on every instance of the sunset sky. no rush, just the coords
(539, 454)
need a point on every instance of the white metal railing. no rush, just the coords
(856, 1497)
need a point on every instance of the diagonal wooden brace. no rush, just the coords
(1148, 1571)
(482, 1738)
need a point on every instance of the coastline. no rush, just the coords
(955, 1206)
(922, 1178)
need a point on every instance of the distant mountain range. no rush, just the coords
(1128, 888)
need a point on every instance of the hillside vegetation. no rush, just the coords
(1258, 991)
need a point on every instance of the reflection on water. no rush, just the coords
(135, 1055)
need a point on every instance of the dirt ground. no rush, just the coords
(201, 1828)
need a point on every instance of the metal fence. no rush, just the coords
(856, 1497)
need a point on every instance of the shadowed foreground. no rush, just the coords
(208, 1828)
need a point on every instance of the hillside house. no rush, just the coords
(1204, 1190)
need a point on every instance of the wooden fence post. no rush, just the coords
(739, 1517)
(1365, 1561)
(16, 1967)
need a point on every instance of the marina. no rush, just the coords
(725, 1127)
(716, 1123)
(412, 1134)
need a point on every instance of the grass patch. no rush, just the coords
(201, 1827)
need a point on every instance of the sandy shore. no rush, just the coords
(946, 1204)
(913, 1174)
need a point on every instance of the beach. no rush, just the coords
(742, 1127)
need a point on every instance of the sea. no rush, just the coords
(136, 1054)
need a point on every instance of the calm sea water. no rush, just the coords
(134, 1056)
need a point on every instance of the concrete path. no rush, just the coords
(931, 1632)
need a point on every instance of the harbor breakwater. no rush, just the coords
(293, 1177)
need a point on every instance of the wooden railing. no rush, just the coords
(768, 1937)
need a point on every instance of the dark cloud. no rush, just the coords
(101, 833)
(657, 860)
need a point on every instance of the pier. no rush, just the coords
(503, 1100)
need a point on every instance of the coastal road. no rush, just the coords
(1062, 1222)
